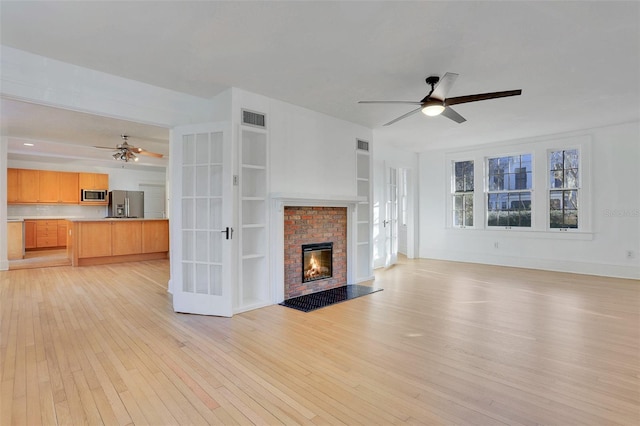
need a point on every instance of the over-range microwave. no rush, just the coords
(94, 195)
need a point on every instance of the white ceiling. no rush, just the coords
(578, 63)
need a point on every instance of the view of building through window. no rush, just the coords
(509, 182)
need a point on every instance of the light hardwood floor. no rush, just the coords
(444, 343)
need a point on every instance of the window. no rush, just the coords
(563, 188)
(509, 191)
(462, 194)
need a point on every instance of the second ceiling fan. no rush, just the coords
(436, 102)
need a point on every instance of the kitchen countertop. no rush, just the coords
(114, 219)
(10, 218)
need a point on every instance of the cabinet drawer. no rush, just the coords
(47, 241)
(50, 230)
(42, 222)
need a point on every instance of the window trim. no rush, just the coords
(540, 222)
(583, 180)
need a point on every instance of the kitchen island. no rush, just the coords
(102, 241)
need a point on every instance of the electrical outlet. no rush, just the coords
(496, 245)
(630, 254)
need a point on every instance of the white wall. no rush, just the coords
(310, 153)
(386, 155)
(613, 213)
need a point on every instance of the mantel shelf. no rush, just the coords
(311, 198)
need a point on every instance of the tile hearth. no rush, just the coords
(313, 301)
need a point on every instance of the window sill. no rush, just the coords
(531, 234)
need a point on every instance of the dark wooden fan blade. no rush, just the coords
(150, 154)
(390, 102)
(451, 114)
(481, 97)
(444, 85)
(403, 116)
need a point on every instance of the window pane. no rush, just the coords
(563, 207)
(463, 187)
(571, 178)
(563, 188)
(457, 218)
(571, 159)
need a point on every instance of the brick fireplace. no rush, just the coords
(282, 271)
(307, 225)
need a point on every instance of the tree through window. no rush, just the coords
(463, 193)
(563, 188)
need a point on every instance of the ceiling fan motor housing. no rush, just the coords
(433, 80)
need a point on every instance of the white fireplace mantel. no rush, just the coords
(281, 200)
(312, 200)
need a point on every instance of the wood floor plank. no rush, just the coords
(444, 343)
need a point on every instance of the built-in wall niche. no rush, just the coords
(363, 270)
(253, 290)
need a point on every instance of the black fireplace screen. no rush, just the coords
(317, 261)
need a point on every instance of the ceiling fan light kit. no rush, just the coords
(436, 103)
(432, 108)
(126, 152)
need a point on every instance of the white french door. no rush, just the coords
(202, 221)
(390, 222)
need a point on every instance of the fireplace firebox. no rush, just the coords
(317, 261)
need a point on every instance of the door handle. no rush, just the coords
(384, 223)
(228, 233)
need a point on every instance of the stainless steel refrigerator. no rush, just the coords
(126, 204)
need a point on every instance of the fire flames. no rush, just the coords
(315, 269)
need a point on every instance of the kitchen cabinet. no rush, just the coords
(46, 233)
(58, 187)
(94, 239)
(69, 189)
(48, 186)
(27, 186)
(12, 186)
(126, 238)
(15, 240)
(155, 236)
(29, 234)
(102, 241)
(62, 233)
(93, 181)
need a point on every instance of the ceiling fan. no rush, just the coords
(436, 102)
(126, 152)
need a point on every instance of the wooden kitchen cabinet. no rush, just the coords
(28, 185)
(69, 190)
(12, 186)
(94, 239)
(155, 236)
(114, 241)
(48, 186)
(93, 181)
(46, 233)
(62, 233)
(126, 238)
(29, 234)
